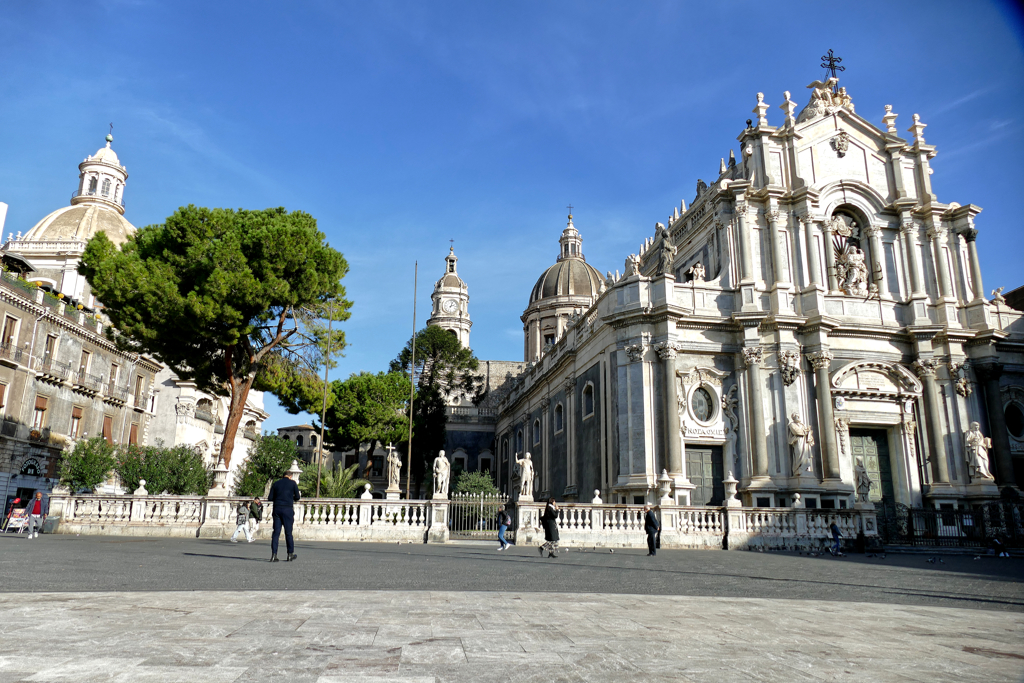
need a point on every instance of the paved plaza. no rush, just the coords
(140, 609)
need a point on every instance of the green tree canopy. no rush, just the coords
(368, 408)
(446, 372)
(180, 470)
(269, 458)
(87, 465)
(228, 299)
(475, 482)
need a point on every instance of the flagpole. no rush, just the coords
(323, 411)
(412, 382)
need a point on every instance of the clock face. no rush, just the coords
(448, 306)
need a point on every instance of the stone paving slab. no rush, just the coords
(480, 637)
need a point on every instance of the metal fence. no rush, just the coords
(975, 528)
(475, 515)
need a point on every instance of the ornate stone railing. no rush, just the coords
(419, 521)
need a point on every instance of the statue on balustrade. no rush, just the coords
(394, 469)
(442, 474)
(977, 445)
(801, 440)
(863, 481)
(525, 465)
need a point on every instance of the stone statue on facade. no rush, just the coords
(666, 257)
(729, 405)
(862, 481)
(394, 469)
(696, 272)
(632, 265)
(442, 475)
(801, 440)
(852, 271)
(525, 465)
(977, 445)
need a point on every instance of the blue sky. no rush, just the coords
(401, 125)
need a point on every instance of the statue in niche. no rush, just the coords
(632, 265)
(801, 440)
(525, 466)
(862, 480)
(852, 271)
(977, 445)
(394, 469)
(442, 474)
(696, 272)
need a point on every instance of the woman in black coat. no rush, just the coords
(549, 520)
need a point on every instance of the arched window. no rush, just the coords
(536, 432)
(312, 440)
(588, 400)
(286, 437)
(519, 441)
(559, 421)
(298, 440)
(106, 187)
(93, 182)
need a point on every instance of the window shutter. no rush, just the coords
(108, 425)
(76, 412)
(40, 403)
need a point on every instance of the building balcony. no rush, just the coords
(116, 394)
(54, 370)
(12, 354)
(87, 382)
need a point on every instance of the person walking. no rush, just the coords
(652, 527)
(836, 547)
(36, 512)
(504, 522)
(549, 520)
(283, 494)
(242, 523)
(255, 515)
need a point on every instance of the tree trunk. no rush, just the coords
(240, 387)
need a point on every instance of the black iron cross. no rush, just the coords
(830, 63)
(111, 129)
(570, 209)
(453, 243)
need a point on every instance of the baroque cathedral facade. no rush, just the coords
(814, 316)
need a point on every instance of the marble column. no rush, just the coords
(937, 237)
(673, 438)
(569, 418)
(779, 274)
(752, 357)
(925, 369)
(746, 264)
(830, 257)
(988, 375)
(813, 269)
(821, 361)
(877, 258)
(970, 235)
(909, 231)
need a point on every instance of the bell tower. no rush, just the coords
(450, 309)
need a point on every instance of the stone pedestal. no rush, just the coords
(220, 482)
(524, 498)
(438, 531)
(731, 501)
(982, 490)
(392, 493)
(665, 489)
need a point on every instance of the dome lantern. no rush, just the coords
(101, 179)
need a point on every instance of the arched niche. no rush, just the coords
(871, 378)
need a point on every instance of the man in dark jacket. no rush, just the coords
(283, 494)
(255, 515)
(652, 527)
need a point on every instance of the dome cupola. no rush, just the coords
(101, 180)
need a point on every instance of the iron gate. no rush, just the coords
(975, 528)
(475, 515)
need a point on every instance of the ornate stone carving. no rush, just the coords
(843, 435)
(666, 257)
(910, 430)
(801, 441)
(632, 265)
(840, 143)
(969, 234)
(958, 373)
(872, 231)
(666, 351)
(696, 272)
(925, 367)
(997, 296)
(729, 405)
(772, 216)
(708, 376)
(862, 480)
(852, 271)
(908, 227)
(820, 360)
(635, 352)
(824, 98)
(442, 475)
(789, 365)
(525, 467)
(702, 187)
(753, 355)
(545, 403)
(976, 446)
(394, 463)
(569, 383)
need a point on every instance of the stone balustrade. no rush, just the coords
(426, 521)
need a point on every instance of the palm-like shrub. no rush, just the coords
(337, 483)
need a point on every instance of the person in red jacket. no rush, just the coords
(37, 510)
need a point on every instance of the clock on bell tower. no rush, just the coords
(450, 299)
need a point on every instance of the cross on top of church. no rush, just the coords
(830, 63)
(570, 211)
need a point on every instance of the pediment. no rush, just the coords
(875, 378)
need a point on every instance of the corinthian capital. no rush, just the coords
(773, 216)
(873, 230)
(925, 367)
(969, 234)
(753, 355)
(907, 227)
(666, 351)
(821, 360)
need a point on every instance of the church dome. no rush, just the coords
(80, 222)
(571, 277)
